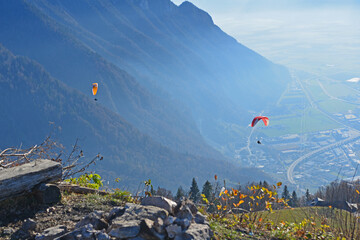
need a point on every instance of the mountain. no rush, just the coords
(31, 98)
(167, 71)
(177, 50)
(30, 33)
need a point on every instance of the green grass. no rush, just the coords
(223, 231)
(336, 106)
(339, 90)
(335, 218)
(313, 121)
(317, 93)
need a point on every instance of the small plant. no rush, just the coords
(147, 186)
(122, 195)
(87, 180)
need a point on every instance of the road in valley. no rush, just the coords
(354, 137)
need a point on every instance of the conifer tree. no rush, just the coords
(294, 199)
(194, 191)
(266, 185)
(286, 194)
(307, 196)
(179, 194)
(208, 191)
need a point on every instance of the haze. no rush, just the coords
(316, 36)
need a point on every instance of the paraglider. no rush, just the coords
(258, 118)
(94, 89)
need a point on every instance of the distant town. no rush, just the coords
(309, 159)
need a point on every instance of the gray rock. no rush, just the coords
(121, 228)
(115, 212)
(51, 233)
(137, 238)
(148, 232)
(199, 218)
(184, 212)
(169, 220)
(29, 225)
(86, 232)
(95, 219)
(191, 205)
(183, 222)
(159, 226)
(8, 231)
(138, 212)
(173, 230)
(198, 232)
(160, 202)
(102, 236)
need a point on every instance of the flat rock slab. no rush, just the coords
(160, 202)
(52, 233)
(139, 212)
(21, 179)
(198, 231)
(124, 229)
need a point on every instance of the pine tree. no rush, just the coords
(266, 185)
(308, 196)
(208, 191)
(294, 199)
(179, 194)
(286, 194)
(194, 191)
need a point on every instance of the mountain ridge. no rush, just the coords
(29, 92)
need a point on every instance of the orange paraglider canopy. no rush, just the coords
(258, 118)
(94, 88)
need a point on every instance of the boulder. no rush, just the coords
(122, 228)
(198, 232)
(52, 233)
(191, 205)
(95, 219)
(183, 222)
(199, 218)
(169, 220)
(102, 236)
(159, 226)
(184, 212)
(147, 230)
(139, 212)
(160, 202)
(114, 213)
(86, 232)
(173, 230)
(29, 225)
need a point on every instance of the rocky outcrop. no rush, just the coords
(157, 218)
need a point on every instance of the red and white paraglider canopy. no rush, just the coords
(258, 118)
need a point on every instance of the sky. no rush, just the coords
(319, 36)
